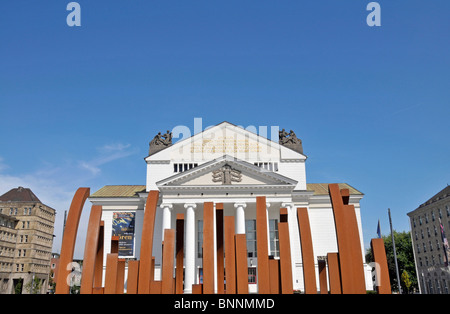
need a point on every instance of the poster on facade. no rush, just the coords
(123, 226)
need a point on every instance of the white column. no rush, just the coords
(167, 217)
(240, 218)
(189, 278)
(294, 238)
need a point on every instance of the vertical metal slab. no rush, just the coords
(334, 276)
(274, 276)
(262, 245)
(168, 257)
(230, 255)
(90, 250)
(220, 249)
(208, 248)
(112, 260)
(285, 258)
(69, 238)
(145, 269)
(309, 269)
(179, 254)
(133, 275)
(383, 285)
(323, 276)
(241, 264)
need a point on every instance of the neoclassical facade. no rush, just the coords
(230, 165)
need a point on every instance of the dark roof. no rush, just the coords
(19, 194)
(440, 195)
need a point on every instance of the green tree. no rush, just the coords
(405, 259)
(406, 280)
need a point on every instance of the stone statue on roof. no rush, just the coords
(290, 140)
(160, 142)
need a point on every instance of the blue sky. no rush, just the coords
(79, 105)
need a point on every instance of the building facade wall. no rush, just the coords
(432, 274)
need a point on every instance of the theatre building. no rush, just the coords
(230, 165)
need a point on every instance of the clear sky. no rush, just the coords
(79, 105)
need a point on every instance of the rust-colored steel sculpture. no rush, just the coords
(90, 250)
(345, 267)
(241, 264)
(112, 264)
(98, 269)
(349, 245)
(334, 273)
(145, 263)
(69, 238)
(115, 244)
(383, 285)
(323, 276)
(309, 269)
(133, 276)
(285, 254)
(230, 255)
(197, 289)
(262, 245)
(179, 254)
(208, 248)
(219, 244)
(120, 276)
(168, 262)
(274, 275)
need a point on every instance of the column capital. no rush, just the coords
(288, 204)
(166, 205)
(267, 205)
(193, 205)
(240, 204)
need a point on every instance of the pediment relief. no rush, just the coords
(227, 171)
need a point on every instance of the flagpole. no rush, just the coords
(395, 253)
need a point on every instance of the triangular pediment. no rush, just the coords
(227, 171)
(225, 139)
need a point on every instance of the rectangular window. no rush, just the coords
(252, 275)
(273, 238)
(250, 233)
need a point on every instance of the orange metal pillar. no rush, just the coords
(98, 271)
(381, 267)
(334, 273)
(241, 264)
(208, 248)
(69, 238)
(309, 269)
(179, 254)
(197, 289)
(349, 245)
(323, 276)
(120, 276)
(219, 242)
(115, 244)
(112, 261)
(274, 274)
(167, 265)
(262, 245)
(90, 250)
(230, 255)
(145, 267)
(285, 254)
(133, 275)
